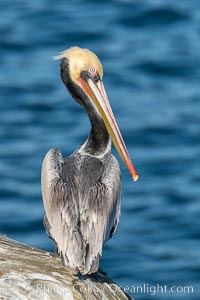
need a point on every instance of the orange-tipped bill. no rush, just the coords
(97, 94)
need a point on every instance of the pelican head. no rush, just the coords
(82, 73)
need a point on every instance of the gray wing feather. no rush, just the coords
(82, 197)
(61, 208)
(101, 198)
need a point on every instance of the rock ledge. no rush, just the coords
(28, 273)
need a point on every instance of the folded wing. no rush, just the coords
(82, 196)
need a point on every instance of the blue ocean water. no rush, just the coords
(150, 53)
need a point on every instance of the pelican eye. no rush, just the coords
(92, 69)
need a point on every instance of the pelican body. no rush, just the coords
(82, 193)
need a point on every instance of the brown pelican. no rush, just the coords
(82, 193)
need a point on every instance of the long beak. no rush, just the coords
(97, 94)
